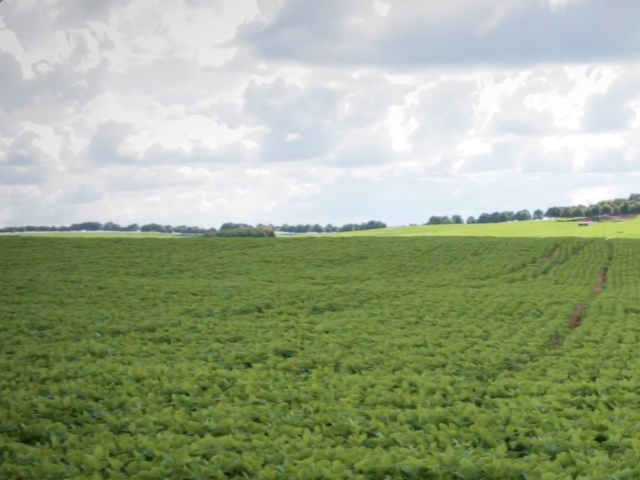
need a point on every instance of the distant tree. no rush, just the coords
(566, 212)
(579, 212)
(439, 220)
(484, 218)
(298, 228)
(242, 232)
(457, 219)
(152, 227)
(471, 220)
(88, 226)
(229, 226)
(618, 203)
(372, 225)
(594, 211)
(553, 212)
(523, 215)
(494, 217)
(185, 230)
(112, 227)
(538, 214)
(606, 209)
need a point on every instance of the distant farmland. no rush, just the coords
(96, 235)
(332, 358)
(545, 228)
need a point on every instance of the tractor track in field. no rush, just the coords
(578, 312)
(551, 253)
(576, 318)
(550, 263)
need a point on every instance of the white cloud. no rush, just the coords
(636, 107)
(474, 146)
(568, 107)
(189, 172)
(153, 123)
(400, 128)
(256, 172)
(181, 111)
(48, 142)
(381, 8)
(582, 141)
(492, 94)
(560, 5)
(591, 195)
(10, 43)
(579, 146)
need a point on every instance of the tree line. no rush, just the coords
(619, 206)
(110, 227)
(349, 227)
(228, 229)
(495, 217)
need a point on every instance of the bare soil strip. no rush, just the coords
(551, 253)
(576, 317)
(602, 281)
(578, 312)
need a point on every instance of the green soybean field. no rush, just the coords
(462, 358)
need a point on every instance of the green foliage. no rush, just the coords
(435, 220)
(349, 227)
(619, 206)
(332, 358)
(243, 231)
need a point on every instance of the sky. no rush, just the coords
(199, 112)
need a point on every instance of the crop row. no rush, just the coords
(318, 358)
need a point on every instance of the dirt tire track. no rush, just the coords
(576, 318)
(551, 253)
(549, 258)
(602, 281)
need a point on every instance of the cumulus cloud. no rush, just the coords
(186, 111)
(457, 32)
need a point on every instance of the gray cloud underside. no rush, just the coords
(308, 121)
(527, 33)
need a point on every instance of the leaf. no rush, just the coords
(99, 452)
